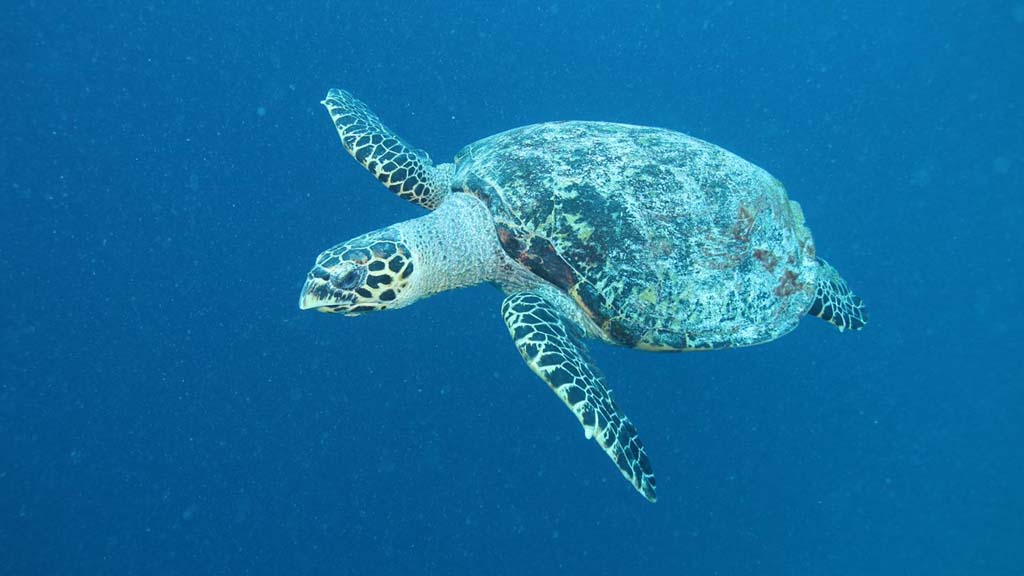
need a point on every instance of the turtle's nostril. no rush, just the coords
(320, 272)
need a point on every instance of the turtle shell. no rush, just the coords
(665, 241)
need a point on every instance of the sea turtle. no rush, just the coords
(636, 236)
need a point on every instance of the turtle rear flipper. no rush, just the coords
(835, 303)
(405, 170)
(553, 348)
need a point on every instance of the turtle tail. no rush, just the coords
(835, 303)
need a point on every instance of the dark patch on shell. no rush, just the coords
(537, 254)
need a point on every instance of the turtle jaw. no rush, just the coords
(318, 294)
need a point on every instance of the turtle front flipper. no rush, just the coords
(553, 348)
(405, 170)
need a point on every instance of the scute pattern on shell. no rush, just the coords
(666, 241)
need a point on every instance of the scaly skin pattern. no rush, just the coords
(405, 170)
(665, 241)
(552, 349)
(835, 303)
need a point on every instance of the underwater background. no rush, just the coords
(169, 176)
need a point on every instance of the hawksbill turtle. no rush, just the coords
(635, 236)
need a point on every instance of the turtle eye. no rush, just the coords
(349, 280)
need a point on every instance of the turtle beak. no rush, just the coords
(312, 294)
(318, 293)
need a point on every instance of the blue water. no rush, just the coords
(168, 177)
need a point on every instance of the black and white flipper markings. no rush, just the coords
(553, 348)
(835, 303)
(405, 170)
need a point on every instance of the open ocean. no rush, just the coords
(169, 176)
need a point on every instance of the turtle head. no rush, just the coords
(368, 273)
